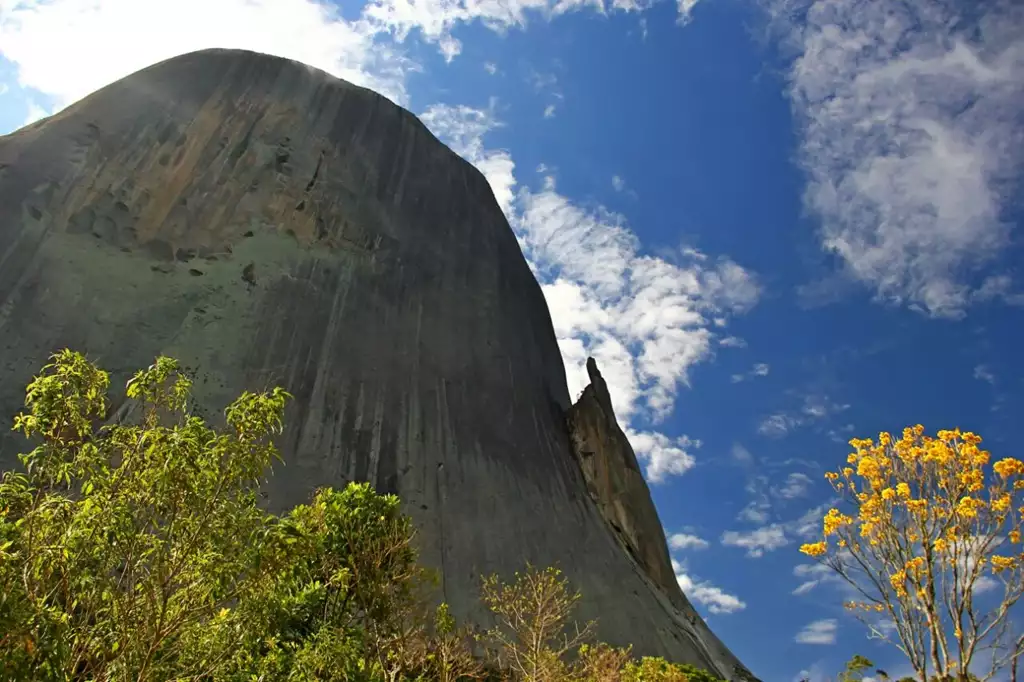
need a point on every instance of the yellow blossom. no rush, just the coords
(888, 494)
(903, 490)
(1014, 536)
(1008, 467)
(834, 520)
(1002, 563)
(814, 548)
(968, 507)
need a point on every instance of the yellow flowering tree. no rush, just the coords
(930, 525)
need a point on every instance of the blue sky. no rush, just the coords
(777, 224)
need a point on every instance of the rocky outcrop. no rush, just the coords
(268, 224)
(617, 486)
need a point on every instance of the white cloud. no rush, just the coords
(804, 587)
(69, 48)
(983, 373)
(549, 111)
(757, 541)
(664, 456)
(4, 88)
(618, 184)
(796, 485)
(655, 310)
(684, 9)
(706, 594)
(757, 511)
(812, 575)
(759, 370)
(491, 68)
(910, 126)
(818, 632)
(683, 541)
(645, 320)
(776, 425)
(815, 407)
(732, 342)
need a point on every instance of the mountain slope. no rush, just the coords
(268, 224)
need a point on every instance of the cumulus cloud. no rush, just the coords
(732, 342)
(818, 632)
(909, 118)
(69, 48)
(757, 541)
(684, 541)
(646, 320)
(664, 456)
(715, 599)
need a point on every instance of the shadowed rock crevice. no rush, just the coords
(268, 224)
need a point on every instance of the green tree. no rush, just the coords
(534, 636)
(138, 551)
(117, 540)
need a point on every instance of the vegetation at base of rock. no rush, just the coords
(930, 526)
(132, 547)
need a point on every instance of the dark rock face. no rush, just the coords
(268, 224)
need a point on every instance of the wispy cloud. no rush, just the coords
(777, 425)
(813, 575)
(618, 184)
(796, 485)
(645, 319)
(491, 68)
(732, 342)
(759, 370)
(714, 598)
(910, 126)
(549, 111)
(818, 632)
(814, 408)
(983, 373)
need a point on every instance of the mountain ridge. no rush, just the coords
(271, 224)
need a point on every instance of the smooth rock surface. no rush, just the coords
(268, 224)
